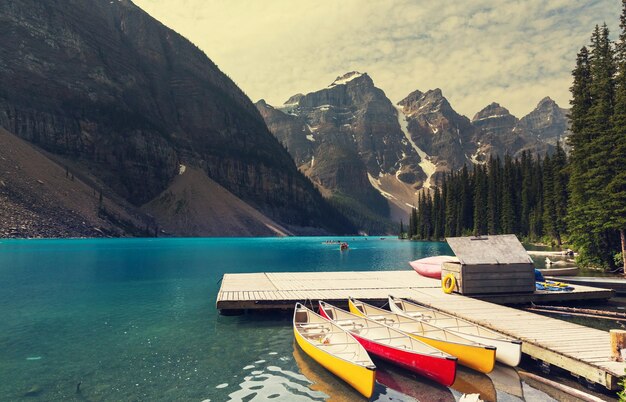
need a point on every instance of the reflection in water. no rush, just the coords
(472, 382)
(337, 390)
(322, 380)
(506, 379)
(403, 381)
(271, 382)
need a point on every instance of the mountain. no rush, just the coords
(501, 132)
(41, 198)
(195, 205)
(547, 122)
(125, 99)
(347, 138)
(438, 129)
(350, 130)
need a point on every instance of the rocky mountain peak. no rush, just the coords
(546, 102)
(493, 110)
(547, 122)
(412, 98)
(347, 77)
(294, 99)
(432, 101)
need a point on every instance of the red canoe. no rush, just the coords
(431, 266)
(395, 346)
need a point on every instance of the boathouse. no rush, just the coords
(490, 264)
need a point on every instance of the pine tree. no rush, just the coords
(593, 166)
(437, 223)
(450, 227)
(579, 140)
(414, 223)
(480, 201)
(508, 201)
(549, 207)
(559, 192)
(493, 193)
(616, 189)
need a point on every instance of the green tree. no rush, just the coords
(480, 200)
(559, 192)
(549, 207)
(493, 195)
(616, 188)
(508, 197)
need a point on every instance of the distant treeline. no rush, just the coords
(525, 196)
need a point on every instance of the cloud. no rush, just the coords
(512, 52)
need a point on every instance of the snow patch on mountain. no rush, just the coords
(345, 78)
(377, 185)
(427, 166)
(495, 116)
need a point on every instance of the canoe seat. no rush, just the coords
(346, 323)
(337, 344)
(381, 318)
(421, 316)
(312, 326)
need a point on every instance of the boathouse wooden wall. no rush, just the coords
(490, 265)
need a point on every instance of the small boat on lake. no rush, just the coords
(471, 354)
(343, 246)
(335, 349)
(509, 350)
(431, 266)
(395, 346)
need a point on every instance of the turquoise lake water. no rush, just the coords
(135, 319)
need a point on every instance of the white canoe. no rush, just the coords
(508, 350)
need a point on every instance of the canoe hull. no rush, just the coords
(360, 378)
(477, 357)
(437, 369)
(508, 351)
(430, 267)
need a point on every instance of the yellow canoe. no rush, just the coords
(508, 350)
(470, 354)
(335, 349)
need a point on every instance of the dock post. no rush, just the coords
(618, 344)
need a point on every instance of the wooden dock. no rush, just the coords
(282, 289)
(581, 350)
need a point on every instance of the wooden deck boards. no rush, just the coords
(581, 350)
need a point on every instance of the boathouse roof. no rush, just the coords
(482, 250)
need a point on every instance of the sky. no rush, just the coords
(511, 52)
